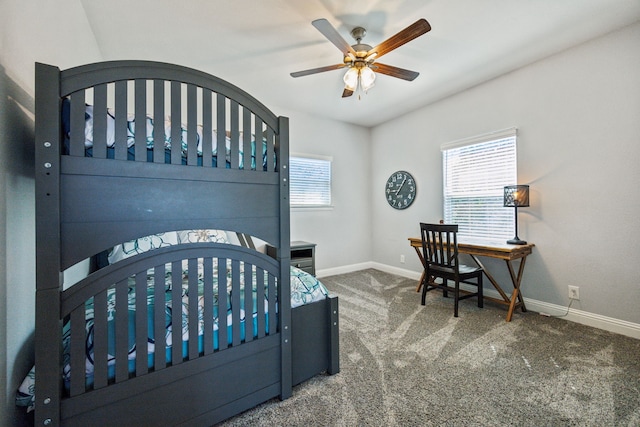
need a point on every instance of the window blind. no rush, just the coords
(310, 181)
(475, 171)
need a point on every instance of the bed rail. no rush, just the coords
(192, 286)
(162, 117)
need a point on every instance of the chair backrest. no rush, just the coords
(440, 245)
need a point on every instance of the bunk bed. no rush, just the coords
(158, 165)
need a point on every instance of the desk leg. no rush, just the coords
(517, 295)
(419, 252)
(493, 281)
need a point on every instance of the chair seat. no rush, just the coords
(468, 269)
(463, 269)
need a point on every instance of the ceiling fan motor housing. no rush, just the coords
(361, 49)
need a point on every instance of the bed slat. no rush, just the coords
(142, 366)
(176, 123)
(100, 350)
(122, 331)
(223, 303)
(246, 139)
(121, 120)
(158, 121)
(159, 318)
(270, 150)
(140, 121)
(272, 304)
(76, 126)
(193, 308)
(207, 129)
(100, 121)
(260, 299)
(176, 312)
(235, 301)
(248, 302)
(77, 350)
(260, 145)
(221, 134)
(207, 270)
(192, 125)
(235, 135)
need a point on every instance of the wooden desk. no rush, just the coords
(504, 251)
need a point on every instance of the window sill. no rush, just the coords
(311, 208)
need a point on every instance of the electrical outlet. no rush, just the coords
(401, 259)
(574, 292)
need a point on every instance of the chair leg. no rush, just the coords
(445, 292)
(456, 297)
(480, 293)
(425, 284)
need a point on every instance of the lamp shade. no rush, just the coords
(367, 78)
(351, 79)
(516, 196)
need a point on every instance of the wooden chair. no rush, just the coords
(440, 250)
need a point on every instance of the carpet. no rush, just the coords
(404, 364)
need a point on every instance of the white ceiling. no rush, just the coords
(255, 44)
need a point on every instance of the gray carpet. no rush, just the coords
(403, 364)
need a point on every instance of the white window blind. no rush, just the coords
(475, 171)
(310, 181)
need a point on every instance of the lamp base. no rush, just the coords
(516, 241)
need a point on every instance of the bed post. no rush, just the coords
(284, 257)
(334, 334)
(48, 338)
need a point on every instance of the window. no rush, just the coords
(475, 171)
(310, 181)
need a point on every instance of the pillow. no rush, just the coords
(143, 244)
(305, 288)
(195, 236)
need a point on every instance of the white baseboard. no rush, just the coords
(610, 324)
(344, 269)
(578, 316)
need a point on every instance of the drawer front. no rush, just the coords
(302, 263)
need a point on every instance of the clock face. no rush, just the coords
(400, 190)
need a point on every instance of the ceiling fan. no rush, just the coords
(360, 58)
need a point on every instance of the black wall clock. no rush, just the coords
(400, 190)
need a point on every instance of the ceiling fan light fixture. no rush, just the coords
(367, 78)
(351, 79)
(360, 58)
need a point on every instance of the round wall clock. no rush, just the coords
(400, 190)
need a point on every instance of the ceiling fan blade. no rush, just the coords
(392, 71)
(333, 36)
(317, 70)
(347, 92)
(413, 31)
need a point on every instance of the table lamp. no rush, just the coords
(516, 196)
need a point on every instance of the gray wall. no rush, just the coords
(17, 218)
(343, 232)
(29, 32)
(578, 117)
